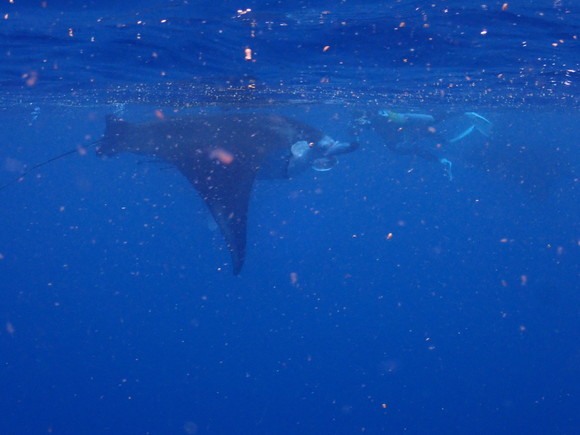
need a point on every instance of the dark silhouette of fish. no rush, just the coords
(220, 155)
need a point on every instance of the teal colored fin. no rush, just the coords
(447, 168)
(462, 134)
(482, 124)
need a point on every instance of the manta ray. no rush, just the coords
(221, 156)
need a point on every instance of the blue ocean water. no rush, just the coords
(382, 296)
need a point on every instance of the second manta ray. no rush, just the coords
(221, 155)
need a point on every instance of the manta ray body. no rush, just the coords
(220, 155)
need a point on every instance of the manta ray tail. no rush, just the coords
(78, 150)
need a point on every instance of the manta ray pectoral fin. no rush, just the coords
(233, 228)
(226, 190)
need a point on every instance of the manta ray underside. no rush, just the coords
(220, 155)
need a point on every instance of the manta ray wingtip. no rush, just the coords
(237, 265)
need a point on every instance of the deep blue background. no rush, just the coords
(119, 313)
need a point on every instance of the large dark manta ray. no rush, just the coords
(220, 155)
